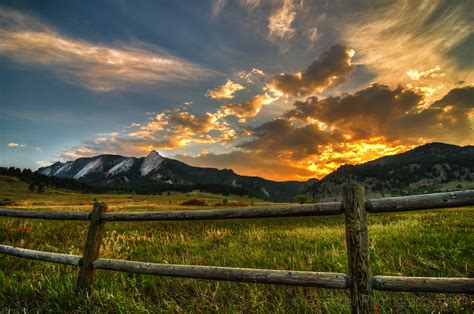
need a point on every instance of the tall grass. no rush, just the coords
(429, 243)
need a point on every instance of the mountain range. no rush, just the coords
(116, 171)
(428, 168)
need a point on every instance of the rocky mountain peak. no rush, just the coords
(152, 161)
(153, 154)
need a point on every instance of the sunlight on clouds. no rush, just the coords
(16, 145)
(249, 76)
(331, 68)
(416, 75)
(279, 23)
(335, 155)
(245, 109)
(412, 35)
(97, 67)
(226, 91)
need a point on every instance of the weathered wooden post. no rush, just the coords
(357, 248)
(92, 248)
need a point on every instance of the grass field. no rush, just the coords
(427, 243)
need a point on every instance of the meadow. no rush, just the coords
(424, 243)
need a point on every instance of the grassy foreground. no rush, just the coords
(429, 243)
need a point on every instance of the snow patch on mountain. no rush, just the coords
(122, 166)
(89, 167)
(67, 166)
(46, 171)
(151, 162)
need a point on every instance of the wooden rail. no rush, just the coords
(419, 202)
(40, 255)
(360, 281)
(423, 284)
(269, 276)
(15, 213)
(322, 209)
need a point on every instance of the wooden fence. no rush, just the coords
(359, 281)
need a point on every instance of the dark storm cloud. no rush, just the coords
(281, 138)
(397, 114)
(330, 69)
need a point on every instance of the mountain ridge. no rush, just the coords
(433, 167)
(426, 168)
(118, 170)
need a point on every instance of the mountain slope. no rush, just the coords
(119, 170)
(428, 168)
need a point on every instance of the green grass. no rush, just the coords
(428, 243)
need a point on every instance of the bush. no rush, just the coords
(302, 198)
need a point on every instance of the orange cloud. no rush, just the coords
(412, 42)
(94, 66)
(16, 145)
(246, 109)
(318, 136)
(226, 91)
(279, 23)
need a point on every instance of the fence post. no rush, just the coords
(357, 248)
(92, 248)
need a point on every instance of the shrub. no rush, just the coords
(302, 198)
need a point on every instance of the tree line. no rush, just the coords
(39, 182)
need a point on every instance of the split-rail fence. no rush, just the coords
(354, 206)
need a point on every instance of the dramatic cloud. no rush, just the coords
(364, 114)
(283, 140)
(169, 130)
(246, 109)
(279, 23)
(396, 114)
(330, 69)
(226, 91)
(94, 66)
(318, 136)
(414, 42)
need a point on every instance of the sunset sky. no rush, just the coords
(286, 90)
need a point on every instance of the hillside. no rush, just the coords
(429, 168)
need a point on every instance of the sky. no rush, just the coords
(285, 90)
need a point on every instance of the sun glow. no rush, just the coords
(336, 155)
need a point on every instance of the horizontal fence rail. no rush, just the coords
(268, 276)
(382, 205)
(19, 213)
(420, 202)
(41, 256)
(423, 284)
(360, 282)
(322, 209)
